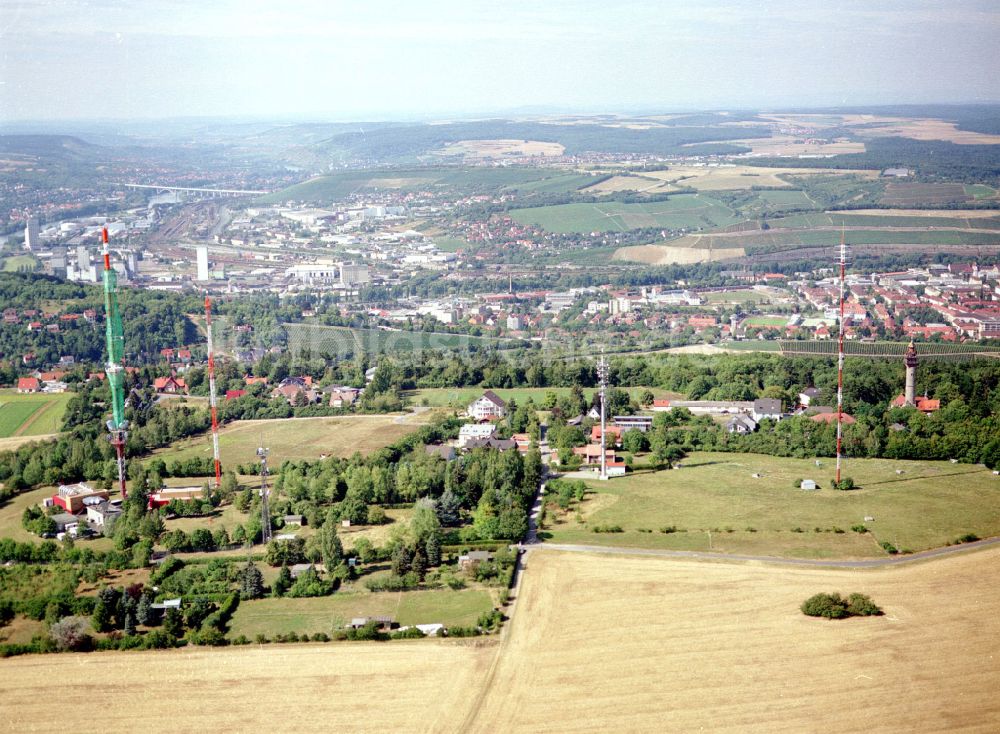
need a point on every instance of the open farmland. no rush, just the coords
(596, 643)
(719, 178)
(221, 689)
(484, 149)
(909, 194)
(679, 254)
(689, 211)
(618, 643)
(31, 414)
(715, 503)
(296, 438)
(338, 186)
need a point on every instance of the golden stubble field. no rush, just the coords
(608, 643)
(597, 643)
(344, 687)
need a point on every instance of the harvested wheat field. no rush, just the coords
(669, 255)
(353, 687)
(617, 643)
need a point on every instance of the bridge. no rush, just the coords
(220, 192)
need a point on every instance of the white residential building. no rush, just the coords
(487, 407)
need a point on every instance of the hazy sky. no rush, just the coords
(357, 60)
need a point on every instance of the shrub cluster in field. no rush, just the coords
(834, 606)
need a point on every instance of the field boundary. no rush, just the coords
(897, 560)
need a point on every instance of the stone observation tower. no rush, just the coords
(910, 360)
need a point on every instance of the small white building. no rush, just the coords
(474, 431)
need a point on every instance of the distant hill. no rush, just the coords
(48, 148)
(412, 143)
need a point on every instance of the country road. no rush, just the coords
(732, 557)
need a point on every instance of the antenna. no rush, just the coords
(265, 511)
(840, 353)
(211, 392)
(115, 366)
(602, 374)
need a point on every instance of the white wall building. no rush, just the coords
(202, 257)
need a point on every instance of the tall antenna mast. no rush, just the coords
(115, 366)
(602, 374)
(840, 354)
(265, 511)
(211, 392)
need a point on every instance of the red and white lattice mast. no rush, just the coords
(211, 392)
(840, 355)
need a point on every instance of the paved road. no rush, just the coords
(811, 562)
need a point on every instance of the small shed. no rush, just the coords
(809, 484)
(295, 520)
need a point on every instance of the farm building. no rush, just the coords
(808, 484)
(488, 406)
(383, 623)
(470, 560)
(28, 384)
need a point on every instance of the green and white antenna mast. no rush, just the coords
(115, 366)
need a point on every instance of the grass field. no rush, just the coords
(324, 614)
(451, 244)
(775, 321)
(929, 505)
(740, 296)
(462, 396)
(980, 191)
(691, 211)
(601, 643)
(20, 263)
(31, 414)
(297, 438)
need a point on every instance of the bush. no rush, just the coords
(889, 548)
(967, 538)
(607, 529)
(71, 633)
(158, 640)
(859, 528)
(861, 605)
(410, 633)
(668, 529)
(844, 484)
(834, 606)
(831, 606)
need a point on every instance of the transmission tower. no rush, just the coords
(265, 510)
(211, 392)
(840, 355)
(115, 366)
(602, 374)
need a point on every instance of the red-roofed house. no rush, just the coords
(924, 404)
(28, 384)
(845, 418)
(248, 380)
(614, 433)
(170, 385)
(660, 405)
(235, 394)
